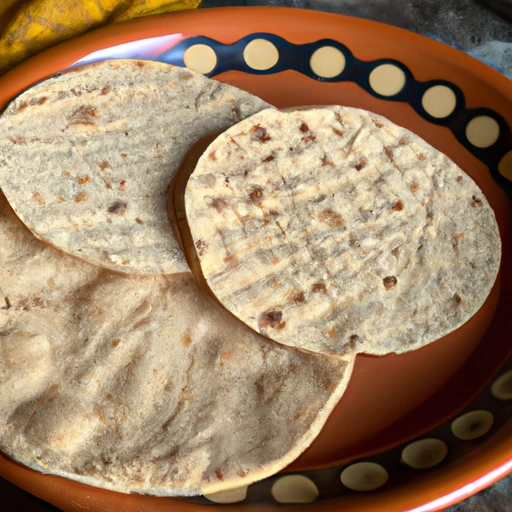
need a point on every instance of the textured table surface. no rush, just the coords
(468, 25)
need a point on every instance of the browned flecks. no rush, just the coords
(457, 298)
(361, 164)
(81, 196)
(456, 237)
(105, 90)
(201, 246)
(337, 131)
(139, 221)
(216, 202)
(319, 288)
(260, 133)
(353, 339)
(103, 165)
(268, 159)
(351, 346)
(299, 298)
(414, 186)
(331, 218)
(219, 475)
(273, 319)
(84, 115)
(377, 123)
(255, 195)
(476, 201)
(212, 155)
(421, 156)
(7, 303)
(36, 196)
(389, 282)
(21, 107)
(403, 140)
(308, 135)
(187, 339)
(231, 259)
(389, 153)
(122, 185)
(326, 160)
(458, 179)
(398, 206)
(82, 180)
(283, 232)
(116, 343)
(118, 207)
(19, 140)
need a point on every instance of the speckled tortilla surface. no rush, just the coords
(143, 383)
(335, 230)
(86, 157)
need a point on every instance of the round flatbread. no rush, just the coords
(142, 383)
(335, 230)
(86, 157)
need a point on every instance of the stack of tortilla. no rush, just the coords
(317, 231)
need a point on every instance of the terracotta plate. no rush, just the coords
(418, 431)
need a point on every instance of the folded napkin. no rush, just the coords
(30, 26)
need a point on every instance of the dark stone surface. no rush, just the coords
(497, 498)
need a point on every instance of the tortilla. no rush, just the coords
(142, 383)
(86, 157)
(335, 230)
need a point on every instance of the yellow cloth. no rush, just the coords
(28, 27)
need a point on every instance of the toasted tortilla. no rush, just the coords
(335, 230)
(142, 383)
(86, 157)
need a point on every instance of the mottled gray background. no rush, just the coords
(468, 25)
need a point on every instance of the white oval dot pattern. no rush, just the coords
(364, 476)
(261, 54)
(200, 58)
(230, 496)
(424, 453)
(439, 101)
(502, 387)
(295, 489)
(327, 62)
(505, 166)
(387, 80)
(472, 425)
(482, 131)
